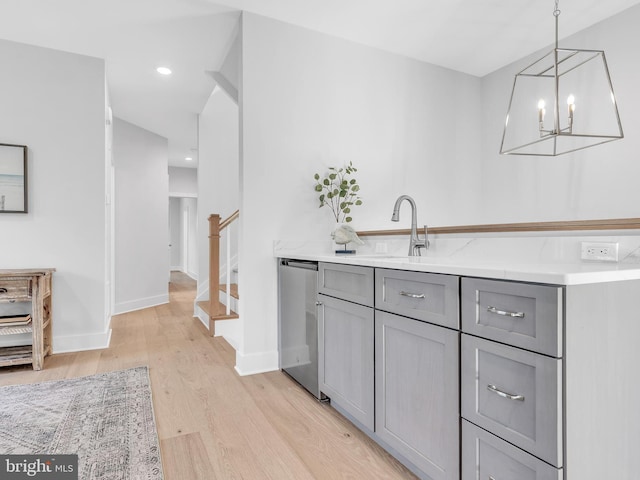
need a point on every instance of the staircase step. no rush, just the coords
(233, 288)
(204, 306)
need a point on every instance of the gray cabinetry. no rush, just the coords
(524, 315)
(417, 393)
(547, 386)
(348, 282)
(514, 394)
(346, 339)
(512, 389)
(486, 456)
(423, 296)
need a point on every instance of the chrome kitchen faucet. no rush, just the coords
(415, 243)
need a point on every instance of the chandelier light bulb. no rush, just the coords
(541, 111)
(571, 106)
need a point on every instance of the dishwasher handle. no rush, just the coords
(300, 264)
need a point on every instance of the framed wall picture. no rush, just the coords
(13, 178)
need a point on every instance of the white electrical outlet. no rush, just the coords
(601, 251)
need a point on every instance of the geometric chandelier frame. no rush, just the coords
(589, 118)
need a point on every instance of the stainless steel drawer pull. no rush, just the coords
(491, 309)
(412, 295)
(500, 393)
(491, 478)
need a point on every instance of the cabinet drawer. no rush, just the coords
(514, 394)
(348, 282)
(15, 289)
(424, 296)
(521, 314)
(485, 456)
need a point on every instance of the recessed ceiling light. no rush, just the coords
(188, 159)
(163, 70)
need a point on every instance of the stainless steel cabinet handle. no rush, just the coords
(500, 393)
(412, 295)
(491, 478)
(491, 309)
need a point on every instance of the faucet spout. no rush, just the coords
(415, 243)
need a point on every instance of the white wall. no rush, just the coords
(189, 236)
(310, 101)
(231, 65)
(54, 102)
(217, 173)
(183, 182)
(596, 183)
(175, 233)
(141, 217)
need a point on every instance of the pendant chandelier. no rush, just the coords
(561, 103)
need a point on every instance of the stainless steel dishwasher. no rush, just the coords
(298, 322)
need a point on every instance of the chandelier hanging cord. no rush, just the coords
(556, 112)
(556, 13)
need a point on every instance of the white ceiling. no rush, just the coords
(192, 36)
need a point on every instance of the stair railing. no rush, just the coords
(215, 228)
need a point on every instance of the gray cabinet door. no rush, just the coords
(346, 357)
(417, 409)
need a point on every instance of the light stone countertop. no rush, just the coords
(538, 260)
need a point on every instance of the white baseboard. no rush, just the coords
(78, 343)
(141, 303)
(252, 363)
(176, 268)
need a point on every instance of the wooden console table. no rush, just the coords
(22, 287)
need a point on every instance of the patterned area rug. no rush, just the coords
(106, 419)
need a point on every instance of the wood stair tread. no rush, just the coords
(204, 305)
(233, 288)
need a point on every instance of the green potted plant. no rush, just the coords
(339, 191)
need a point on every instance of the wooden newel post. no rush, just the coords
(214, 268)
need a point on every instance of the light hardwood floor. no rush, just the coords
(212, 423)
